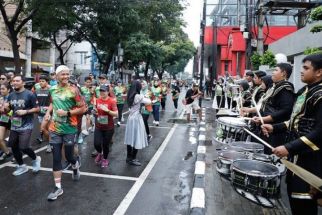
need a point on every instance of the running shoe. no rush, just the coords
(85, 132)
(80, 139)
(98, 158)
(118, 124)
(149, 137)
(157, 123)
(5, 156)
(20, 169)
(66, 165)
(135, 162)
(54, 195)
(76, 172)
(39, 140)
(94, 153)
(49, 149)
(104, 163)
(78, 158)
(36, 164)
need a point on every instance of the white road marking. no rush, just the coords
(197, 198)
(85, 173)
(200, 168)
(201, 150)
(192, 129)
(192, 140)
(202, 123)
(202, 137)
(122, 208)
(202, 129)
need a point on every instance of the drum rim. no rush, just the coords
(223, 158)
(260, 146)
(232, 167)
(244, 124)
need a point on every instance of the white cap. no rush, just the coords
(61, 68)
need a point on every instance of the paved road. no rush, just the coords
(162, 185)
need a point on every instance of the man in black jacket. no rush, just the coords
(304, 136)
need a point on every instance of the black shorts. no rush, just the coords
(7, 125)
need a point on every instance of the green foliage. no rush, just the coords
(268, 59)
(255, 60)
(316, 15)
(309, 51)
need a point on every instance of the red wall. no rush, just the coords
(228, 49)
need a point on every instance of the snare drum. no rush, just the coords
(225, 158)
(247, 147)
(230, 129)
(262, 157)
(256, 177)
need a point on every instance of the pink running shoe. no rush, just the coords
(98, 158)
(104, 163)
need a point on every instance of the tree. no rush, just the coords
(15, 22)
(316, 15)
(58, 22)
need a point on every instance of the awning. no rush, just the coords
(41, 64)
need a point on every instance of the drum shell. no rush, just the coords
(225, 159)
(267, 186)
(229, 129)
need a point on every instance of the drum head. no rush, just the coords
(232, 121)
(247, 146)
(255, 168)
(231, 155)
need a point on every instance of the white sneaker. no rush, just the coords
(154, 121)
(85, 132)
(157, 123)
(20, 169)
(36, 164)
(48, 150)
(6, 139)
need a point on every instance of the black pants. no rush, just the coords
(163, 103)
(102, 141)
(20, 143)
(220, 101)
(145, 120)
(131, 152)
(232, 102)
(175, 102)
(302, 206)
(120, 110)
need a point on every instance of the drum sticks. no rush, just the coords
(257, 110)
(258, 138)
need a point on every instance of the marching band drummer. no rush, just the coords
(246, 96)
(304, 136)
(258, 90)
(277, 103)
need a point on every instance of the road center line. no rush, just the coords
(122, 208)
(85, 173)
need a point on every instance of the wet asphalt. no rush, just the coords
(166, 189)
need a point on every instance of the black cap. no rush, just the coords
(104, 88)
(260, 73)
(102, 76)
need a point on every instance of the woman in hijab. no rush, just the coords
(135, 134)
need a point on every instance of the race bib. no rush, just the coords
(43, 110)
(16, 121)
(102, 120)
(4, 118)
(60, 119)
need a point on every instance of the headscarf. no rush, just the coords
(268, 81)
(145, 89)
(134, 89)
(244, 85)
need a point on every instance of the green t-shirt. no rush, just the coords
(156, 92)
(65, 98)
(87, 96)
(119, 94)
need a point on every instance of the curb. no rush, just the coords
(198, 200)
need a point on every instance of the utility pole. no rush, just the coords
(202, 26)
(213, 74)
(249, 27)
(260, 40)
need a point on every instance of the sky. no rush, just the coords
(192, 16)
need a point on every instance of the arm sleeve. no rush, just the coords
(146, 100)
(188, 94)
(311, 141)
(284, 101)
(280, 127)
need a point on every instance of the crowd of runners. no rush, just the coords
(68, 112)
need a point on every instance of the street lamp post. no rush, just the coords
(202, 26)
